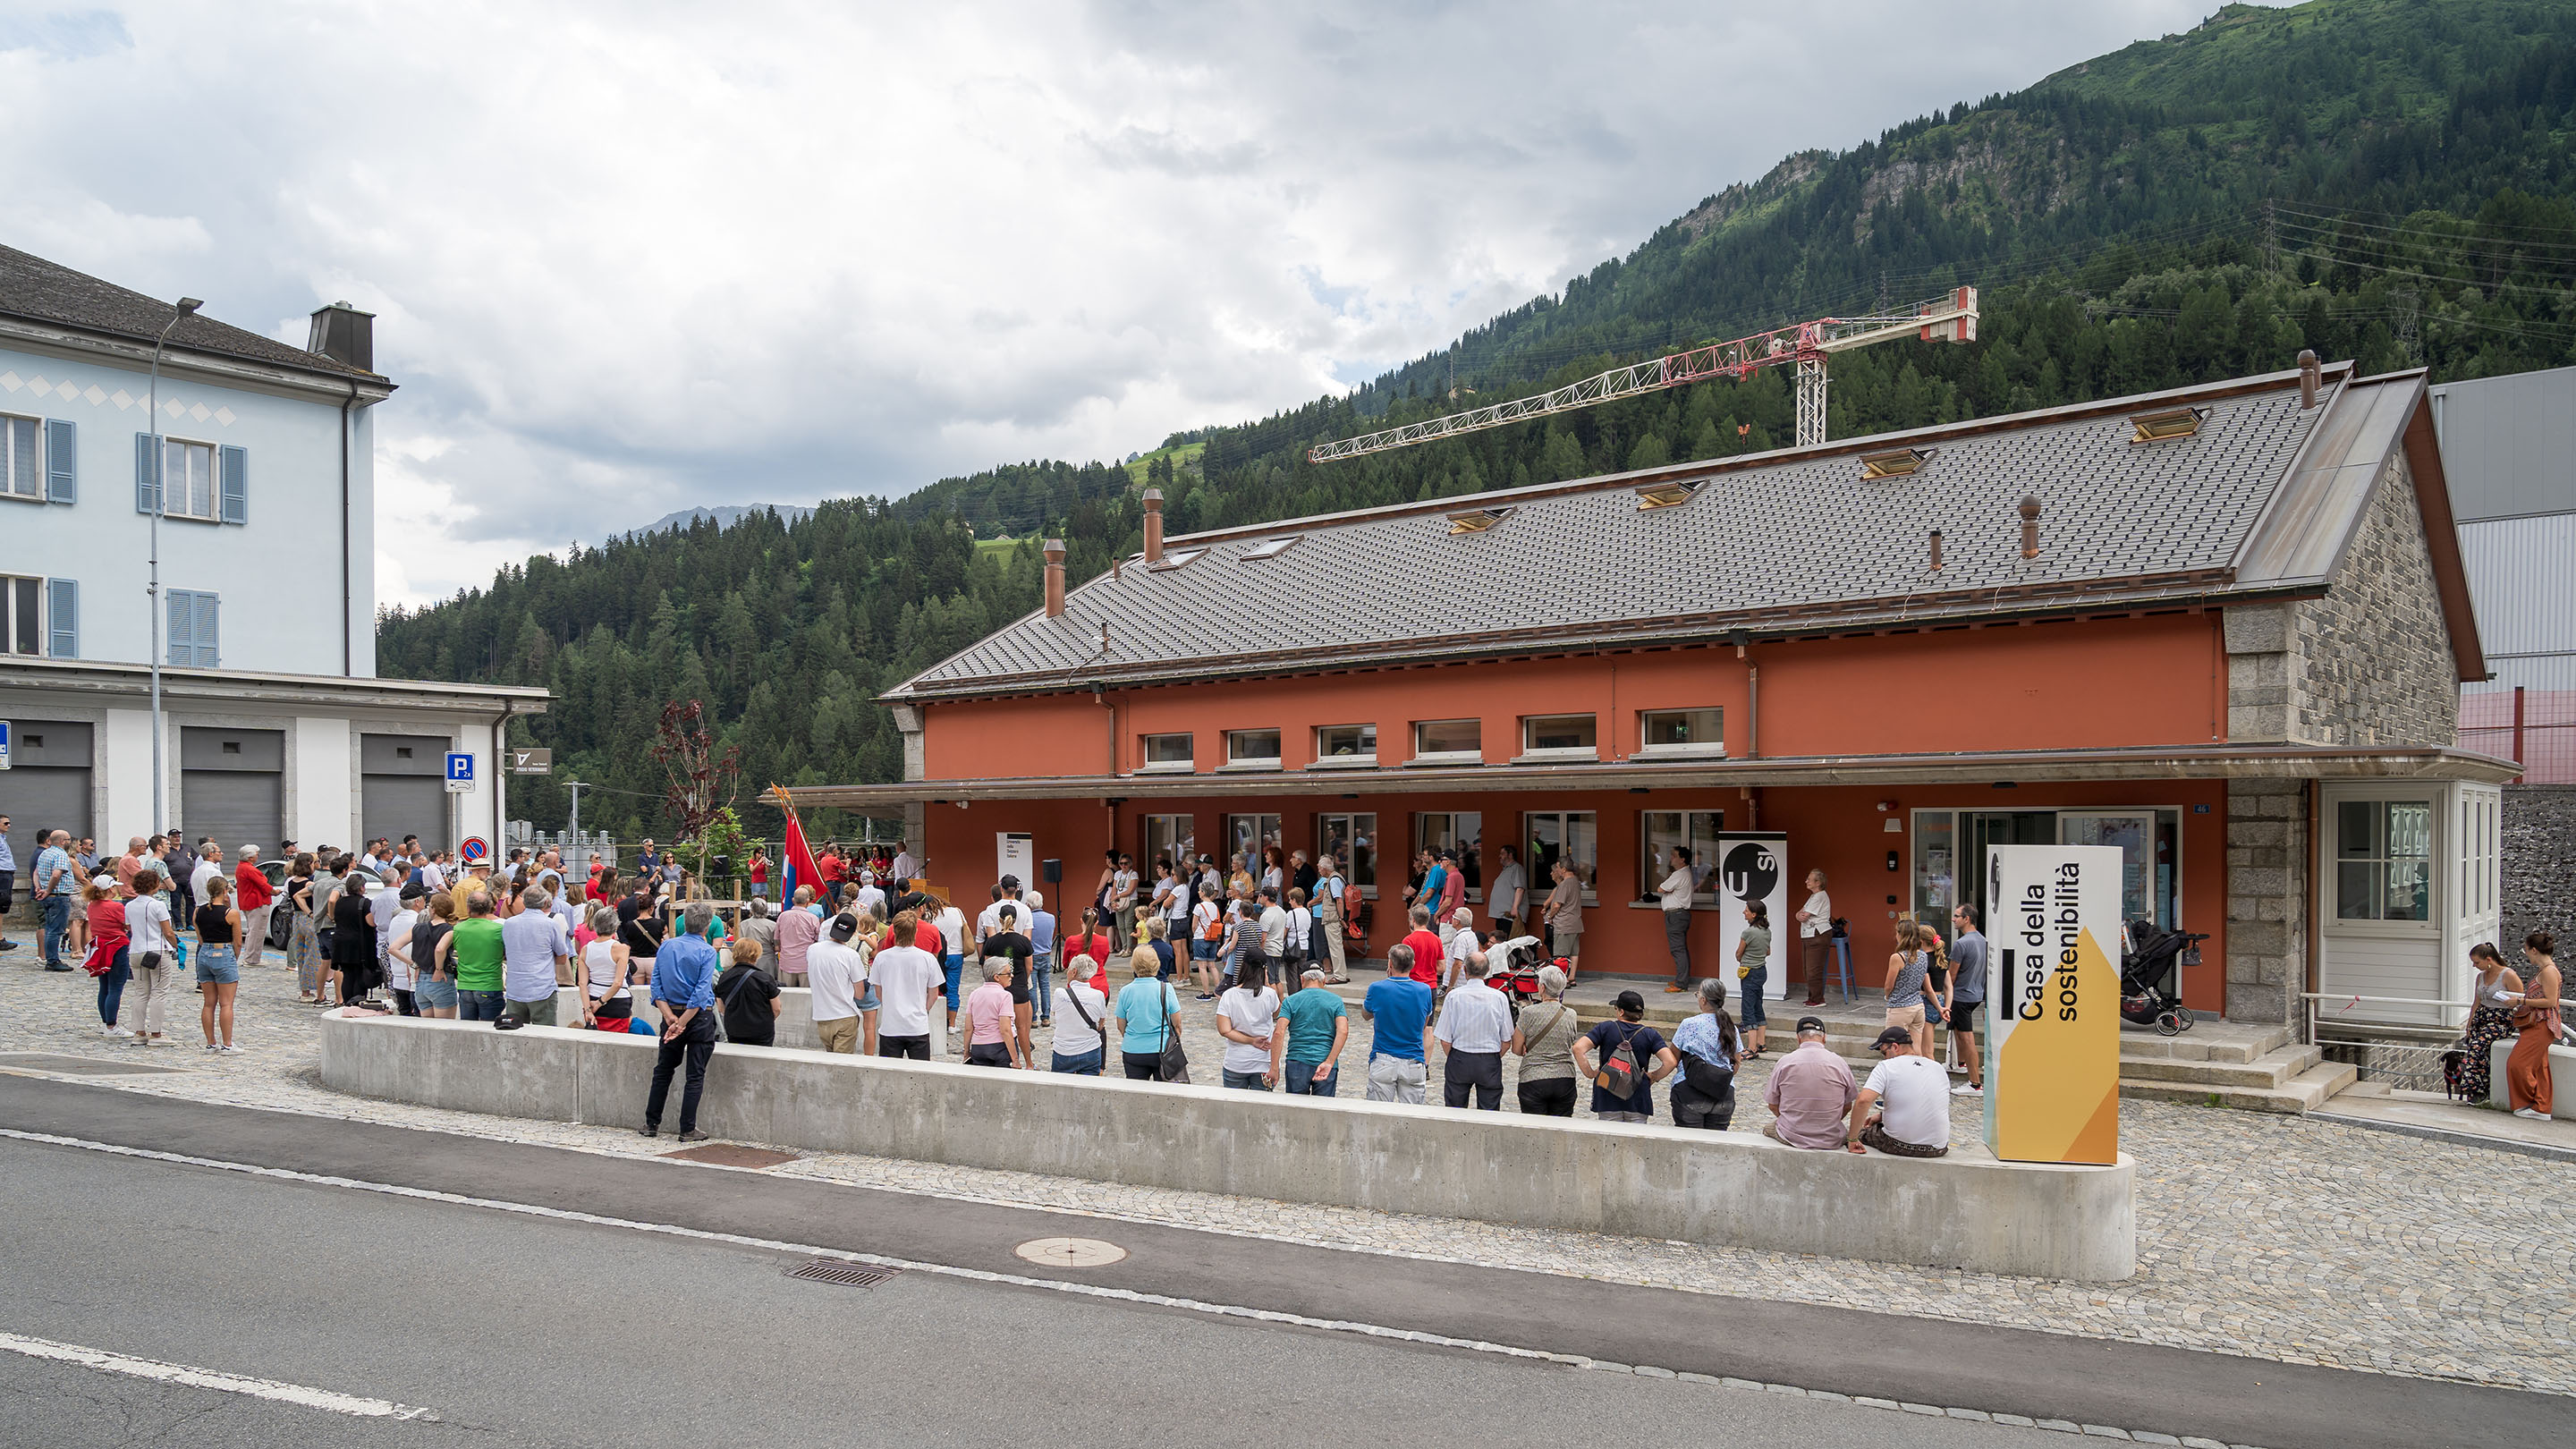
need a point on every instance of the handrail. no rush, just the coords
(2315, 1015)
(2391, 1000)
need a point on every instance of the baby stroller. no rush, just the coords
(2154, 954)
(1512, 969)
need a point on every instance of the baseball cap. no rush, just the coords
(1629, 1001)
(1811, 1023)
(844, 926)
(1894, 1036)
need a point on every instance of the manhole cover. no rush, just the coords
(726, 1154)
(72, 1066)
(847, 1274)
(1070, 1252)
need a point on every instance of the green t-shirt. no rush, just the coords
(1311, 1014)
(477, 954)
(1757, 948)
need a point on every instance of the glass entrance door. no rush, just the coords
(2133, 832)
(1249, 835)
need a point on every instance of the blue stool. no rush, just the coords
(1842, 967)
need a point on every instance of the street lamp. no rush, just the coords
(185, 306)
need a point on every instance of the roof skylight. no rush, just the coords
(2171, 423)
(1269, 548)
(1477, 520)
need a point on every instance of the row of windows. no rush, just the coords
(1452, 741)
(41, 617)
(1546, 837)
(210, 482)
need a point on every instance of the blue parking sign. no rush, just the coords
(460, 767)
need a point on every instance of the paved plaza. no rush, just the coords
(2262, 1235)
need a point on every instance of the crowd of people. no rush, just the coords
(399, 928)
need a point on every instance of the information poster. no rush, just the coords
(1753, 866)
(2053, 1003)
(1018, 854)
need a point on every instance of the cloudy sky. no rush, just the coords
(629, 258)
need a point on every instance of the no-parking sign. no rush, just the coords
(475, 849)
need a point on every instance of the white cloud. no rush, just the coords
(629, 258)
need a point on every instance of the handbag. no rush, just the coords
(1708, 1078)
(1174, 1063)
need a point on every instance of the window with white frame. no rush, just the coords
(188, 479)
(1353, 743)
(1167, 752)
(1167, 837)
(1351, 840)
(22, 615)
(1547, 734)
(1681, 731)
(1459, 740)
(2384, 860)
(1659, 831)
(1252, 748)
(22, 463)
(1568, 835)
(1462, 831)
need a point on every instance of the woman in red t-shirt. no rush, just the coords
(101, 933)
(1089, 941)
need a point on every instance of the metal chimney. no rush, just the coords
(2311, 377)
(1936, 550)
(1153, 525)
(345, 335)
(1055, 578)
(2030, 527)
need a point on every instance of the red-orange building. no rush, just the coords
(2221, 627)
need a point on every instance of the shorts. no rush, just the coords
(916, 1048)
(841, 1034)
(217, 966)
(1909, 1017)
(1566, 943)
(1203, 950)
(540, 1012)
(868, 998)
(1963, 1017)
(1082, 1064)
(438, 993)
(990, 1054)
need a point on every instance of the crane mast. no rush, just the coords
(1805, 345)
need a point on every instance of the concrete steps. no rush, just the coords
(2303, 1091)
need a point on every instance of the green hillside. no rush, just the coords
(2385, 180)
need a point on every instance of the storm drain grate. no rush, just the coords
(848, 1275)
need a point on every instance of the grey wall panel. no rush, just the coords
(236, 807)
(2509, 443)
(203, 748)
(403, 755)
(49, 742)
(398, 805)
(2522, 577)
(38, 798)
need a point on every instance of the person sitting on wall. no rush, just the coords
(1911, 1095)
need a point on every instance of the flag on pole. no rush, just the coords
(795, 855)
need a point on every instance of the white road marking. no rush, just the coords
(201, 1378)
(977, 1275)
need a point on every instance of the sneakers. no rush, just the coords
(1957, 1070)
(2528, 1112)
(1675, 990)
(648, 1130)
(113, 1031)
(1967, 1089)
(228, 1049)
(212, 1048)
(693, 1135)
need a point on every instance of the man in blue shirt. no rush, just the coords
(1042, 965)
(684, 987)
(1397, 1008)
(57, 882)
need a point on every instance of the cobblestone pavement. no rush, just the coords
(2269, 1236)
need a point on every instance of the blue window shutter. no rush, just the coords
(62, 611)
(62, 461)
(181, 608)
(233, 469)
(143, 472)
(209, 636)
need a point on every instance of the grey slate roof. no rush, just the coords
(1778, 543)
(43, 291)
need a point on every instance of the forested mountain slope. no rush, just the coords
(2386, 180)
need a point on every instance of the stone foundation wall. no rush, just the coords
(2267, 887)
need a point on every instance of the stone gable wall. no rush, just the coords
(2374, 664)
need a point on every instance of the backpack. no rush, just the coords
(1619, 1074)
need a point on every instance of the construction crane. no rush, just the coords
(1806, 345)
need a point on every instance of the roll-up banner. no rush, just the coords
(2053, 1002)
(1753, 866)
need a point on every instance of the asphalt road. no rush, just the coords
(512, 1330)
(562, 1330)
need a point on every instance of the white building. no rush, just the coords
(273, 726)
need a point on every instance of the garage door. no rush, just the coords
(231, 787)
(404, 789)
(48, 788)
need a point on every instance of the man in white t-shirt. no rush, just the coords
(210, 863)
(908, 979)
(836, 971)
(872, 900)
(1912, 1097)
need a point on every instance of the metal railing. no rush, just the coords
(2401, 1054)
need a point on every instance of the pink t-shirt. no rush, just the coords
(988, 1014)
(796, 931)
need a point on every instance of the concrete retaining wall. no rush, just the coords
(2562, 1079)
(1966, 1210)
